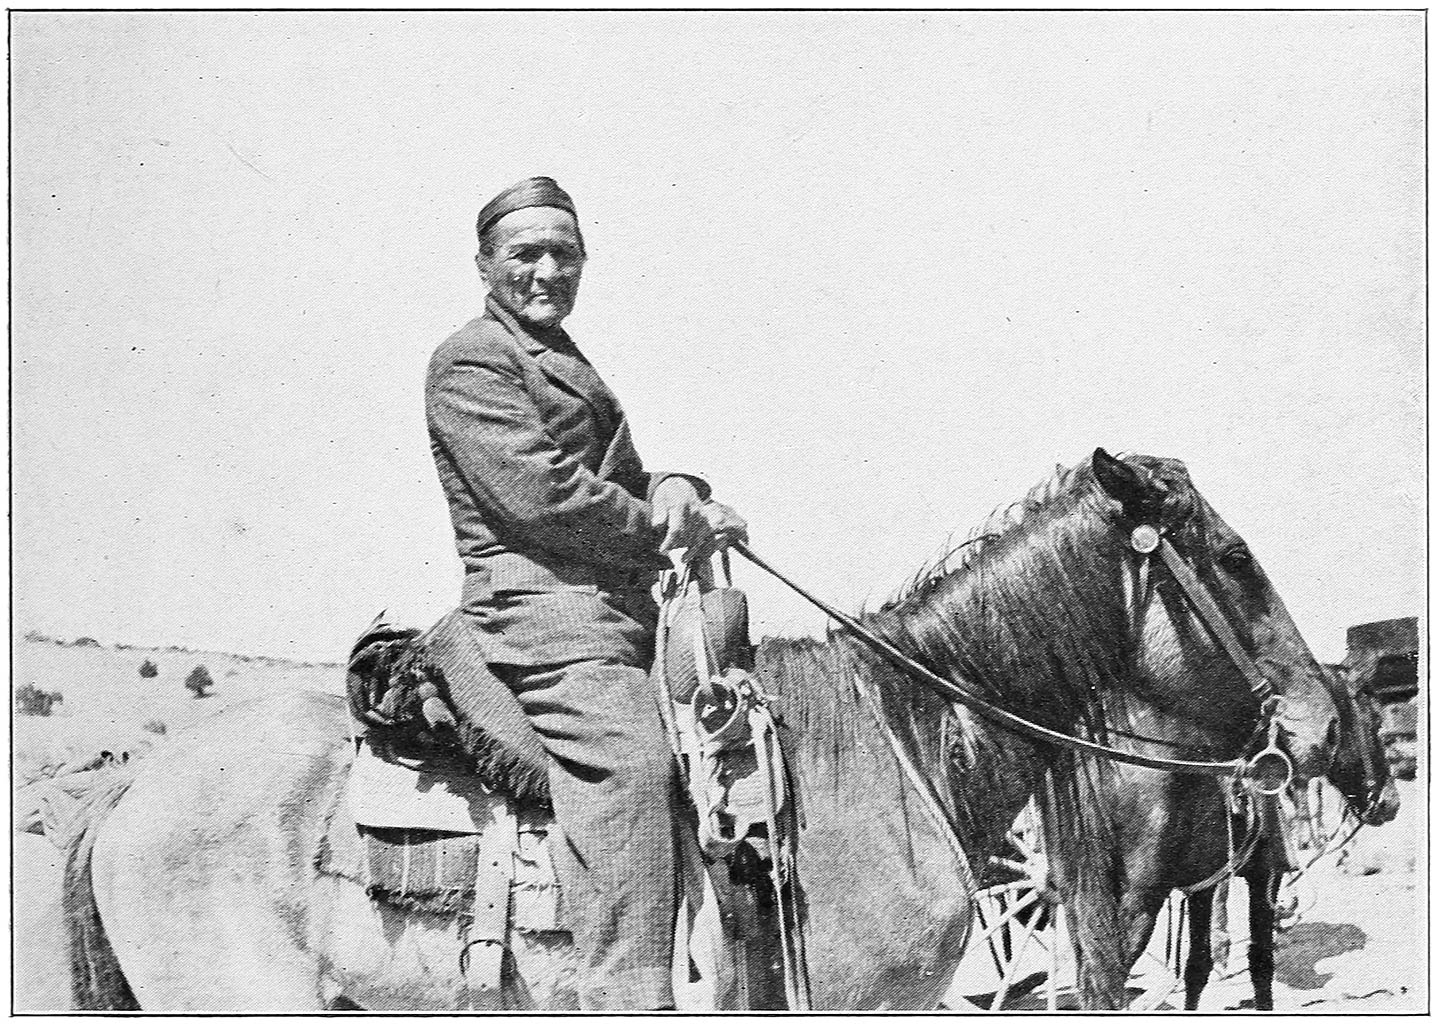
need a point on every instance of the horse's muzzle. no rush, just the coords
(1385, 807)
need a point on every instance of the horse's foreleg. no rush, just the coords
(1103, 974)
(1139, 911)
(1200, 961)
(1264, 886)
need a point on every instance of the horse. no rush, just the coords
(1362, 776)
(194, 887)
(1173, 833)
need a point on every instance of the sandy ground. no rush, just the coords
(1357, 946)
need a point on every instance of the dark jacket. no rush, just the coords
(547, 495)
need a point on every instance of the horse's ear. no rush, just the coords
(1140, 494)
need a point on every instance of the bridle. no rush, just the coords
(1266, 773)
(1374, 783)
(1269, 769)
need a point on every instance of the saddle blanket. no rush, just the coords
(433, 872)
(394, 793)
(428, 840)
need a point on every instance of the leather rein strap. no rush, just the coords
(966, 695)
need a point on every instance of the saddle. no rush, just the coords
(430, 837)
(434, 794)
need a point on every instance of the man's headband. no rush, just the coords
(522, 195)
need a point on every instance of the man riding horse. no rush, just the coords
(562, 532)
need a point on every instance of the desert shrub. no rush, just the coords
(31, 700)
(86, 641)
(148, 669)
(156, 726)
(198, 681)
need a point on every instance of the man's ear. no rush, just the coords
(483, 265)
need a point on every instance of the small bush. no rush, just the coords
(31, 700)
(148, 669)
(86, 641)
(199, 681)
(156, 726)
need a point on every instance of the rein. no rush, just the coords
(1144, 540)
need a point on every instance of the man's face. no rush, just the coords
(534, 267)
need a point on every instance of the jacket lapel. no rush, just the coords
(563, 365)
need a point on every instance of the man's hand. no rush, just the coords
(698, 526)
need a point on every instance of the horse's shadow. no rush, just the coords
(1298, 950)
(1297, 953)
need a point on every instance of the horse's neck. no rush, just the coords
(991, 773)
(980, 774)
(869, 840)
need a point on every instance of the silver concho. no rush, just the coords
(1144, 538)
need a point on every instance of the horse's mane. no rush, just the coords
(988, 614)
(1030, 611)
(1003, 521)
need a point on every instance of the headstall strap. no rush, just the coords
(1270, 770)
(1143, 539)
(1215, 621)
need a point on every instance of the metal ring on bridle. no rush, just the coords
(1270, 771)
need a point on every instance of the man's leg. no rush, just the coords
(610, 781)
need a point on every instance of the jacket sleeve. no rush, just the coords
(539, 495)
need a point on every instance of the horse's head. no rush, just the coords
(1179, 661)
(1360, 771)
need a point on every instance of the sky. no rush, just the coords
(871, 274)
